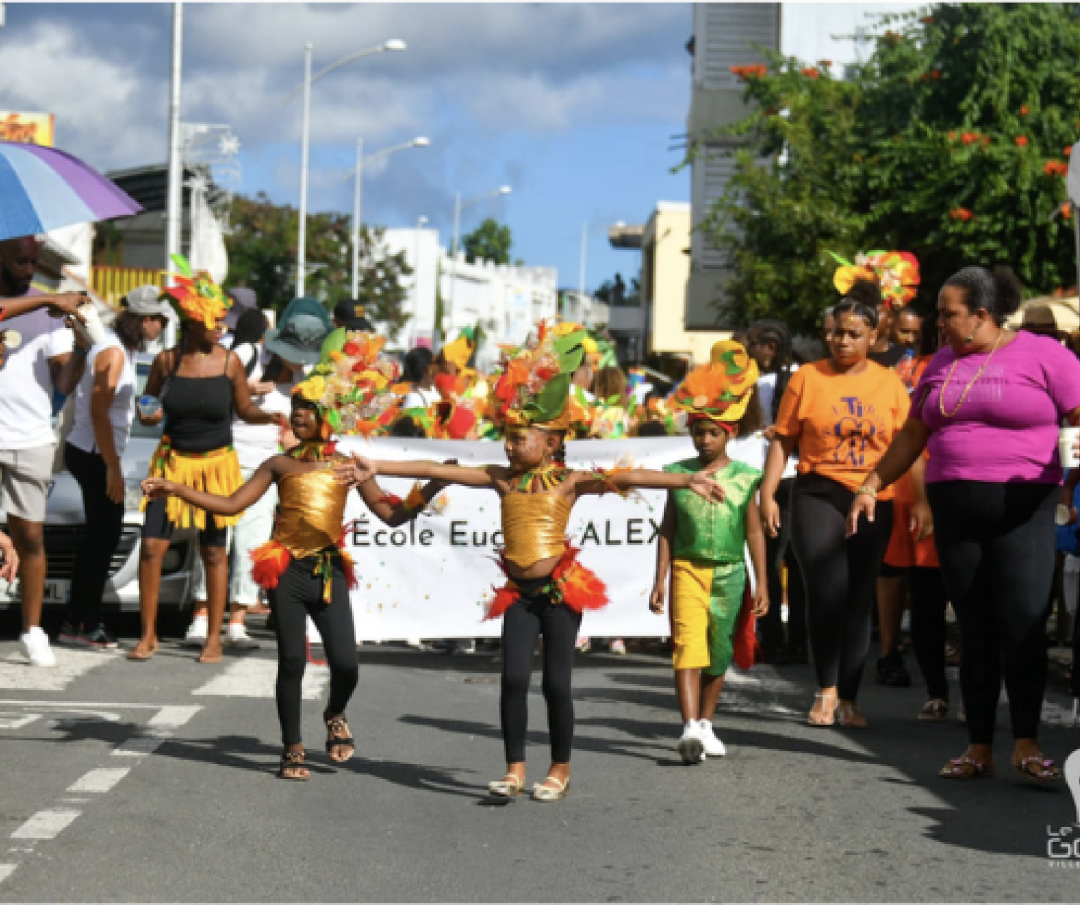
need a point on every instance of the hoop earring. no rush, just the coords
(971, 339)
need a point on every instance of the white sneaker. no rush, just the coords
(196, 633)
(690, 746)
(709, 742)
(35, 647)
(236, 636)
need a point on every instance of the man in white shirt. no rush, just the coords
(40, 355)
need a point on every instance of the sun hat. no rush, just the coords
(298, 339)
(147, 301)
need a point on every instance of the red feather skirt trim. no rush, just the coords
(269, 562)
(571, 583)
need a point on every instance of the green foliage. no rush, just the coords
(262, 256)
(950, 142)
(490, 241)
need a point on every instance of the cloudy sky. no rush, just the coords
(572, 105)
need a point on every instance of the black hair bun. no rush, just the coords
(865, 292)
(1008, 293)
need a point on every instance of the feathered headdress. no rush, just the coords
(534, 388)
(352, 387)
(719, 391)
(895, 272)
(197, 295)
(460, 350)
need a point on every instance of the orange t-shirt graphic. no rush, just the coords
(843, 422)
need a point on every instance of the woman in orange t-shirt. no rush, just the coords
(842, 412)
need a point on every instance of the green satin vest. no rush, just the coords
(713, 532)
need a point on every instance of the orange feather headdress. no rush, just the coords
(197, 296)
(720, 390)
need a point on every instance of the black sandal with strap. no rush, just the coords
(342, 738)
(291, 760)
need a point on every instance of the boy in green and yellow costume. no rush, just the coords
(702, 546)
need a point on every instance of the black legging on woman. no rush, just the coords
(996, 547)
(778, 552)
(535, 615)
(928, 602)
(299, 594)
(839, 576)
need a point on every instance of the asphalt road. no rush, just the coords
(155, 782)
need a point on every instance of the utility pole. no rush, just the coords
(174, 226)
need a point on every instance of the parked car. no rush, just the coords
(65, 530)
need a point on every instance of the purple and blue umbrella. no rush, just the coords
(42, 189)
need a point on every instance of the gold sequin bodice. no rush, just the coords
(311, 509)
(534, 527)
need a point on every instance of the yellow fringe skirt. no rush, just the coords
(216, 472)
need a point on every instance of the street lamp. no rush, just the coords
(458, 205)
(305, 86)
(419, 142)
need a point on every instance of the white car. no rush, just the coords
(64, 531)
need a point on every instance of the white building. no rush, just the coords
(724, 36)
(581, 309)
(503, 299)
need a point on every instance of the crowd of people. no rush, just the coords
(882, 476)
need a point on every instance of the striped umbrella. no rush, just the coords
(42, 189)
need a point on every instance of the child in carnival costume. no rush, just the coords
(702, 548)
(303, 566)
(547, 588)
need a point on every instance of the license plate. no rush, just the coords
(57, 590)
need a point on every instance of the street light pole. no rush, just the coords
(301, 234)
(419, 142)
(358, 188)
(174, 225)
(305, 86)
(420, 221)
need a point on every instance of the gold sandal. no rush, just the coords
(848, 715)
(823, 717)
(293, 761)
(507, 787)
(542, 792)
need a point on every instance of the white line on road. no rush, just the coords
(99, 780)
(138, 746)
(6, 870)
(174, 716)
(18, 675)
(47, 824)
(252, 678)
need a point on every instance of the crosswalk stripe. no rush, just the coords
(16, 673)
(46, 824)
(99, 780)
(255, 678)
(6, 870)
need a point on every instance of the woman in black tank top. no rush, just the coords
(200, 385)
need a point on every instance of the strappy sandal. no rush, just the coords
(819, 717)
(1038, 768)
(293, 760)
(935, 709)
(848, 716)
(542, 792)
(341, 738)
(507, 787)
(966, 767)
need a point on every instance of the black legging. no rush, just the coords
(996, 547)
(104, 525)
(777, 552)
(558, 625)
(839, 576)
(298, 595)
(928, 601)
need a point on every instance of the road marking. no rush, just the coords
(99, 780)
(174, 716)
(254, 678)
(17, 720)
(17, 674)
(47, 824)
(138, 746)
(6, 870)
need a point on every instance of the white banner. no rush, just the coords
(432, 578)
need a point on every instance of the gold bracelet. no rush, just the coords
(866, 489)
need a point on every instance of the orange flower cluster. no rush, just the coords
(1024, 110)
(1066, 210)
(812, 72)
(1067, 150)
(749, 72)
(932, 74)
(1021, 141)
(1055, 168)
(961, 213)
(969, 138)
(927, 20)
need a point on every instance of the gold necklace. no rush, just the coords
(971, 383)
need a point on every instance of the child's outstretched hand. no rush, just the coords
(9, 559)
(656, 600)
(703, 484)
(158, 487)
(760, 605)
(354, 471)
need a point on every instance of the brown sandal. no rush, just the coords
(1038, 768)
(340, 737)
(966, 767)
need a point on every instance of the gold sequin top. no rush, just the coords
(311, 510)
(534, 527)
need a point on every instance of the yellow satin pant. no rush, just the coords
(705, 603)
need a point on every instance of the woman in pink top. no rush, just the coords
(988, 408)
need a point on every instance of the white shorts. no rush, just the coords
(25, 475)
